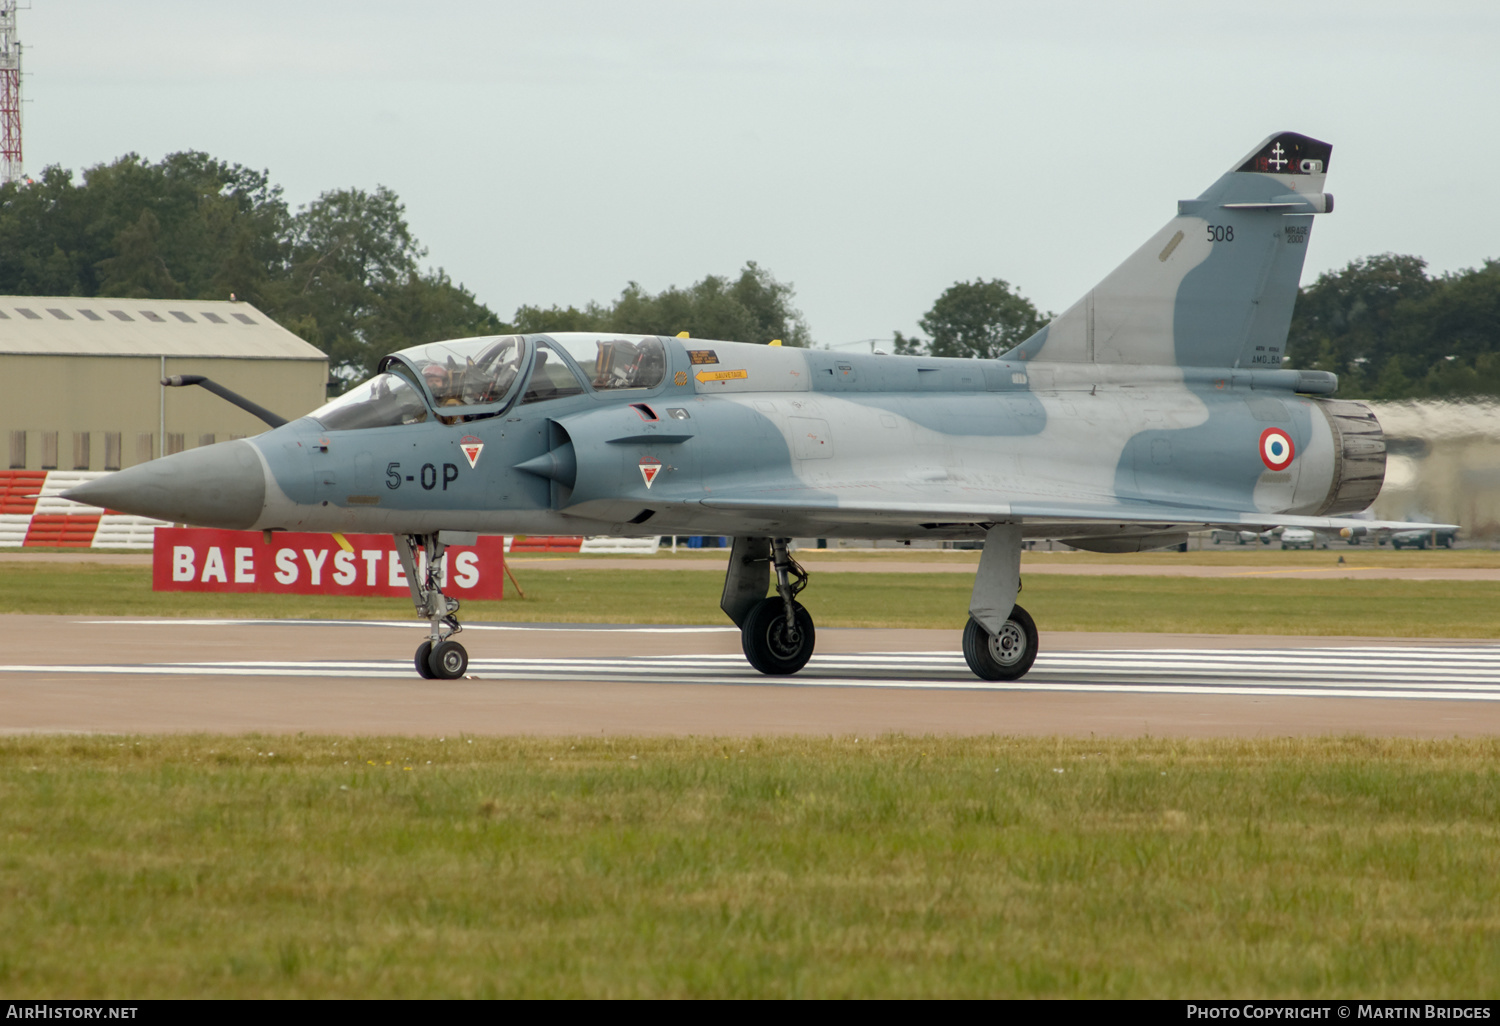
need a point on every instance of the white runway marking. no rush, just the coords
(1469, 673)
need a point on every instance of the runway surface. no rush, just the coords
(122, 675)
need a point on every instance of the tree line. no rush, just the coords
(1390, 330)
(343, 272)
(346, 273)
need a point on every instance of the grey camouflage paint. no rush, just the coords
(1135, 415)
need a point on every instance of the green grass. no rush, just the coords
(380, 867)
(1240, 605)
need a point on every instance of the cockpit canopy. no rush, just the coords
(473, 378)
(468, 372)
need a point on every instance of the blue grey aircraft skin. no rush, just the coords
(1155, 405)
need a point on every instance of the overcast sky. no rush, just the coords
(870, 153)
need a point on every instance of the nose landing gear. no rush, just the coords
(439, 657)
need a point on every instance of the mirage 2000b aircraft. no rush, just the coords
(1155, 405)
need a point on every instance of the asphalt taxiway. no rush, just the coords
(120, 675)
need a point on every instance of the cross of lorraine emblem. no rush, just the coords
(1278, 157)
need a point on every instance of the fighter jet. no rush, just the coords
(1154, 406)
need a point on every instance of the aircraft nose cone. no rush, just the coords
(216, 486)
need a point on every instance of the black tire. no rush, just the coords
(764, 637)
(424, 652)
(1006, 657)
(448, 661)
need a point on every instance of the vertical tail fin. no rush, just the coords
(1215, 287)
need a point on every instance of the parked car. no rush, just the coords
(1221, 536)
(1301, 538)
(1422, 539)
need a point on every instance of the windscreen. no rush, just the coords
(383, 401)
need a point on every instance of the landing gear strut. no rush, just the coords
(1000, 640)
(439, 657)
(776, 631)
(778, 634)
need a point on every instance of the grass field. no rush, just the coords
(1239, 605)
(376, 867)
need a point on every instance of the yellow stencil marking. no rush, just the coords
(728, 375)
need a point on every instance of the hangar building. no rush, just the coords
(80, 379)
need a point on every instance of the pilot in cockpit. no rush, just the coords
(440, 383)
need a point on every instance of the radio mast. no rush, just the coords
(10, 95)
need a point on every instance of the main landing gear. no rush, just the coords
(1000, 641)
(439, 657)
(776, 631)
(778, 634)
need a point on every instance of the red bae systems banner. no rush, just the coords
(197, 559)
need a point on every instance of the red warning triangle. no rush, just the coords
(471, 447)
(649, 469)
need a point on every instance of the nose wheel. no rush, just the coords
(439, 657)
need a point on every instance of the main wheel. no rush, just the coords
(424, 653)
(772, 648)
(1004, 656)
(448, 661)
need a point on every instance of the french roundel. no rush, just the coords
(1276, 449)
